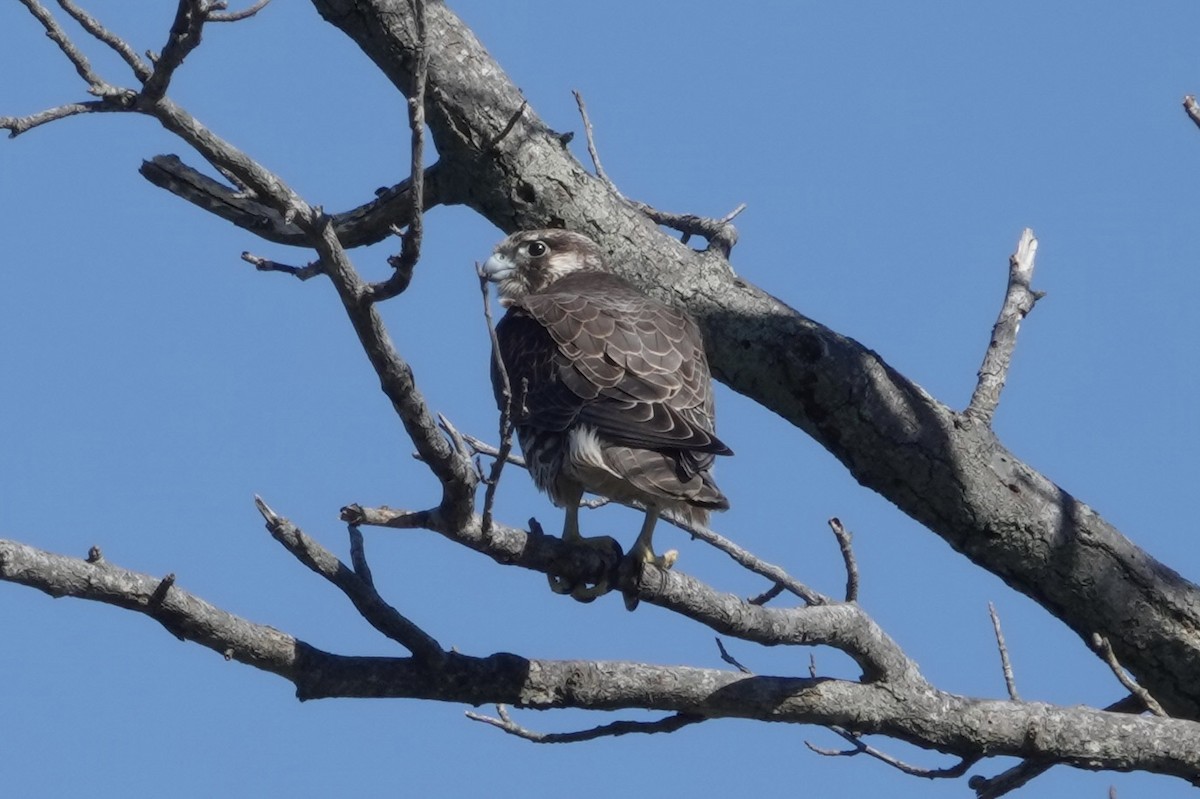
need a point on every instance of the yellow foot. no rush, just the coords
(631, 571)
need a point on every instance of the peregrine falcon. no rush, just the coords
(611, 390)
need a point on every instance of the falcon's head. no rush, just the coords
(530, 260)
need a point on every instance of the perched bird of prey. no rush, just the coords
(611, 391)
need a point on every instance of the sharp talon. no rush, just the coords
(585, 593)
(582, 591)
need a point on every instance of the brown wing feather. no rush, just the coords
(636, 366)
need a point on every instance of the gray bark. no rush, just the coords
(941, 467)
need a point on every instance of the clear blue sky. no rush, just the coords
(889, 154)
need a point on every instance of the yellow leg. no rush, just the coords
(643, 548)
(641, 554)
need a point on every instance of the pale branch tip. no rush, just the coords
(1192, 108)
(263, 508)
(305, 272)
(222, 15)
(1019, 299)
(593, 152)
(1010, 682)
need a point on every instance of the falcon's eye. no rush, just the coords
(537, 248)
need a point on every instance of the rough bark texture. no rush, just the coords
(942, 468)
(902, 707)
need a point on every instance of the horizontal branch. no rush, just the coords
(366, 224)
(844, 626)
(1083, 737)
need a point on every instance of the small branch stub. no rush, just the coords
(1019, 300)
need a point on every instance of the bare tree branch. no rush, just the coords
(410, 245)
(1020, 774)
(1105, 650)
(1005, 665)
(616, 728)
(237, 16)
(356, 585)
(118, 45)
(1018, 302)
(57, 35)
(18, 125)
(1079, 736)
(844, 544)
(506, 410)
(730, 659)
(1192, 108)
(306, 272)
(861, 747)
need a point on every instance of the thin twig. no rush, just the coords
(1192, 108)
(861, 747)
(1005, 665)
(410, 240)
(1019, 300)
(57, 35)
(359, 590)
(122, 48)
(591, 146)
(481, 447)
(748, 560)
(506, 408)
(730, 659)
(237, 16)
(1104, 649)
(507, 129)
(766, 596)
(18, 125)
(266, 265)
(358, 555)
(720, 234)
(667, 724)
(844, 544)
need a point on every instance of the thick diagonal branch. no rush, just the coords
(944, 469)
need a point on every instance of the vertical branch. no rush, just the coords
(1005, 664)
(410, 239)
(1018, 302)
(506, 395)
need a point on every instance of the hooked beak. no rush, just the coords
(498, 268)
